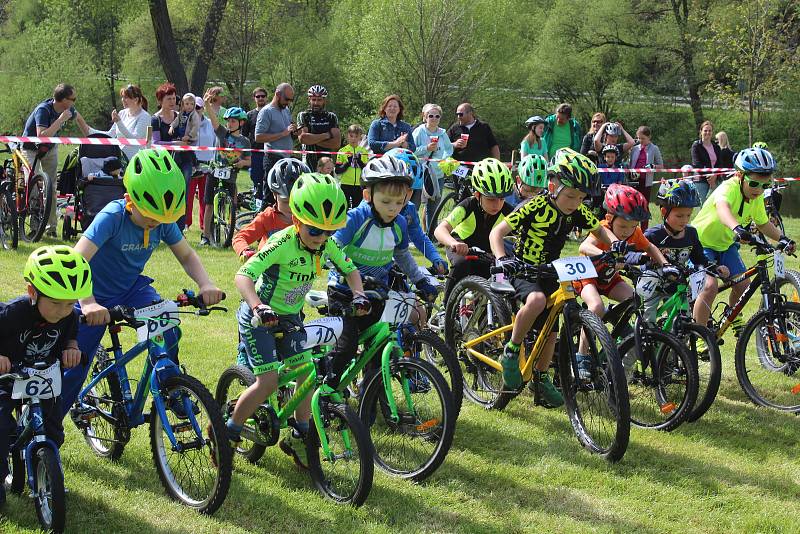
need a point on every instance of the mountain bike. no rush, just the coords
(188, 438)
(223, 206)
(32, 199)
(9, 223)
(456, 188)
(479, 323)
(404, 403)
(33, 456)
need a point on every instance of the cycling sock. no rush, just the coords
(513, 346)
(233, 429)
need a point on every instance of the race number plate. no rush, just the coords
(575, 268)
(780, 267)
(646, 286)
(397, 308)
(43, 383)
(462, 171)
(324, 331)
(222, 174)
(696, 283)
(158, 319)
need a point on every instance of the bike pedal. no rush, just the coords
(183, 426)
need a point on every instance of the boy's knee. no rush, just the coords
(535, 302)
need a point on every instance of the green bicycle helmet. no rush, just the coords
(492, 178)
(156, 185)
(235, 113)
(576, 171)
(761, 144)
(59, 272)
(533, 170)
(317, 200)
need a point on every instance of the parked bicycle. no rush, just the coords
(9, 223)
(223, 205)
(32, 193)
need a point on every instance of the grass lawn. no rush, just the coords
(522, 469)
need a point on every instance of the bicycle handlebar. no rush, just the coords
(127, 314)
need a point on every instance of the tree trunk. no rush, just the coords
(203, 60)
(167, 49)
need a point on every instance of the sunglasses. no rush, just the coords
(757, 184)
(260, 96)
(434, 116)
(459, 114)
(313, 231)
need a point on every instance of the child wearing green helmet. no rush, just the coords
(532, 180)
(118, 244)
(273, 284)
(41, 327)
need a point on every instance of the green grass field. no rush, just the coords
(522, 469)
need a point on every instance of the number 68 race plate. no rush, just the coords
(159, 319)
(575, 268)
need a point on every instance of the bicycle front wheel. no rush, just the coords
(244, 218)
(345, 475)
(597, 405)
(709, 365)
(441, 212)
(431, 347)
(662, 384)
(196, 473)
(49, 491)
(33, 220)
(224, 220)
(231, 385)
(768, 358)
(414, 445)
(9, 226)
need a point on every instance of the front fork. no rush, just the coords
(164, 369)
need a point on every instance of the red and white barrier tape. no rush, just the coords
(123, 141)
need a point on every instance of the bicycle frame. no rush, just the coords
(36, 438)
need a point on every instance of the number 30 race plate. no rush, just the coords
(576, 268)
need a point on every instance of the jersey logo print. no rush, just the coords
(39, 345)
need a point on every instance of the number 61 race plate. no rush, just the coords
(575, 268)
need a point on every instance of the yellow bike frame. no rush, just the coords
(555, 303)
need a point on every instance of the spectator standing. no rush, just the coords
(561, 130)
(319, 128)
(432, 143)
(217, 101)
(532, 143)
(473, 139)
(587, 145)
(726, 153)
(609, 134)
(274, 128)
(131, 121)
(46, 120)
(645, 154)
(389, 130)
(705, 153)
(249, 131)
(197, 185)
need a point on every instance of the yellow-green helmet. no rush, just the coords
(59, 272)
(492, 178)
(576, 171)
(317, 200)
(156, 185)
(533, 170)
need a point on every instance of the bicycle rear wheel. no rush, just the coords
(768, 358)
(9, 226)
(662, 386)
(472, 310)
(231, 385)
(414, 446)
(49, 497)
(709, 365)
(441, 212)
(106, 432)
(433, 349)
(346, 475)
(597, 407)
(198, 472)
(244, 218)
(224, 218)
(33, 221)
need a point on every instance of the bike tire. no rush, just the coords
(607, 383)
(38, 204)
(443, 209)
(215, 450)
(789, 286)
(17, 477)
(773, 385)
(709, 366)
(9, 224)
(654, 403)
(338, 419)
(106, 438)
(482, 384)
(244, 218)
(49, 497)
(425, 430)
(223, 220)
(444, 358)
(238, 374)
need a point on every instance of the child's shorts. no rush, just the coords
(729, 258)
(260, 347)
(604, 288)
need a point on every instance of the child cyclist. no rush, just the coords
(280, 180)
(469, 224)
(374, 238)
(41, 327)
(273, 285)
(724, 218)
(532, 179)
(118, 244)
(542, 225)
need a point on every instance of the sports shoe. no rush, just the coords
(702, 349)
(512, 377)
(546, 394)
(204, 242)
(295, 446)
(584, 366)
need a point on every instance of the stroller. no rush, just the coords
(88, 185)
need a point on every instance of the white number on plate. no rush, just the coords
(780, 268)
(324, 331)
(696, 283)
(646, 286)
(222, 174)
(397, 308)
(462, 171)
(159, 319)
(43, 383)
(576, 268)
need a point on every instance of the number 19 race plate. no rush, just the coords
(575, 268)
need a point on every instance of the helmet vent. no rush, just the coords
(69, 264)
(46, 261)
(310, 208)
(73, 281)
(150, 200)
(342, 208)
(327, 206)
(85, 278)
(55, 275)
(168, 198)
(137, 166)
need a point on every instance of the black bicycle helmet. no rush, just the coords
(284, 174)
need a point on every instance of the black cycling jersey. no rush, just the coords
(472, 225)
